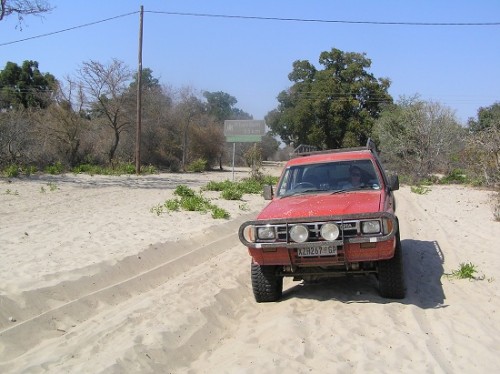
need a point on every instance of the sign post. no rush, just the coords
(243, 131)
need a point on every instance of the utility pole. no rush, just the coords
(139, 99)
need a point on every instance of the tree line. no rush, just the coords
(90, 118)
(342, 104)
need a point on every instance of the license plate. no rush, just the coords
(323, 250)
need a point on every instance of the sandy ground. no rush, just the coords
(92, 281)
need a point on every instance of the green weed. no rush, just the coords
(190, 201)
(117, 169)
(465, 271)
(420, 190)
(197, 166)
(232, 194)
(456, 176)
(158, 209)
(11, 171)
(219, 213)
(57, 168)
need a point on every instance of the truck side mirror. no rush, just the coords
(393, 182)
(268, 192)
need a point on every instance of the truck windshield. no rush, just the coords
(329, 177)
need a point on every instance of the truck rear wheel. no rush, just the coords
(267, 285)
(391, 276)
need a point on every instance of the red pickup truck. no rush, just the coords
(332, 213)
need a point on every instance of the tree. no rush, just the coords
(23, 8)
(332, 107)
(483, 144)
(66, 121)
(486, 118)
(221, 106)
(25, 86)
(189, 112)
(105, 87)
(419, 137)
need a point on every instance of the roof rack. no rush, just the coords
(370, 145)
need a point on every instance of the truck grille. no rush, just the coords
(348, 229)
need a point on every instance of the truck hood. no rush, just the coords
(311, 205)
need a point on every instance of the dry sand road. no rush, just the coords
(95, 282)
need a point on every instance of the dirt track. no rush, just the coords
(188, 307)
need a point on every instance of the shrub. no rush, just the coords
(466, 271)
(184, 191)
(194, 203)
(232, 194)
(197, 166)
(172, 205)
(420, 190)
(456, 176)
(219, 213)
(57, 168)
(11, 171)
(219, 186)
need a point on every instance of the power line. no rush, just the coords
(260, 18)
(382, 23)
(68, 29)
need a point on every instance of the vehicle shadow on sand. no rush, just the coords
(423, 267)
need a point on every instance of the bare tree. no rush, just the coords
(66, 120)
(105, 87)
(17, 137)
(23, 8)
(483, 154)
(189, 111)
(419, 137)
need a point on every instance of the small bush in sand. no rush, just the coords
(247, 185)
(420, 190)
(11, 171)
(190, 201)
(197, 166)
(465, 271)
(232, 194)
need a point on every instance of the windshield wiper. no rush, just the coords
(299, 192)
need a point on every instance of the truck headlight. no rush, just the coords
(266, 233)
(249, 233)
(370, 227)
(329, 231)
(299, 233)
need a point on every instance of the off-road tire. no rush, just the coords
(267, 285)
(391, 275)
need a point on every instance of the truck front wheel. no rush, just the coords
(391, 276)
(266, 283)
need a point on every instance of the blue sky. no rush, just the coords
(457, 66)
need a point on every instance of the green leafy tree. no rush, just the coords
(221, 106)
(487, 117)
(331, 107)
(25, 86)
